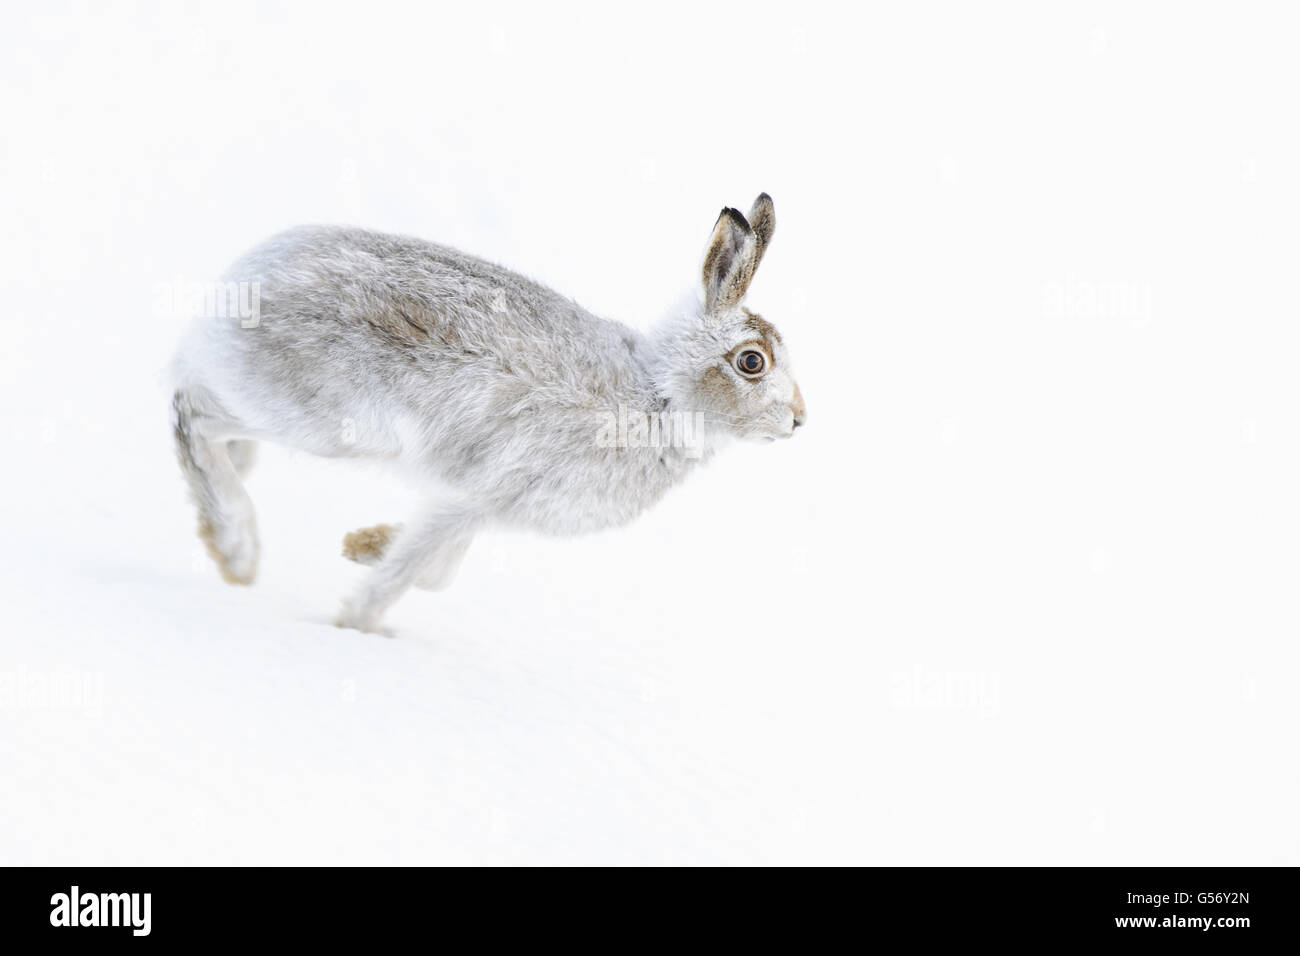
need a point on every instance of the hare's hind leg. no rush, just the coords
(227, 524)
(424, 553)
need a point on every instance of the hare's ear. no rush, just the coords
(730, 261)
(762, 219)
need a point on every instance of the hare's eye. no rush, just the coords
(750, 362)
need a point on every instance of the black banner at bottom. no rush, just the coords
(110, 906)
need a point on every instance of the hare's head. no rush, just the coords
(731, 364)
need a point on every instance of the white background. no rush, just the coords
(1024, 590)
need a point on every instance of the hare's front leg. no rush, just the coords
(369, 545)
(424, 552)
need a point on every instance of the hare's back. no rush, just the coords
(409, 296)
(347, 314)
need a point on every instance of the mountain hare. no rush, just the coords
(507, 402)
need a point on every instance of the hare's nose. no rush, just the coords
(798, 420)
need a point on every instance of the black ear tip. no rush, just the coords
(763, 198)
(736, 217)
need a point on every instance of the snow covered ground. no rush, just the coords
(1026, 589)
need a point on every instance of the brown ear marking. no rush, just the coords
(729, 262)
(762, 219)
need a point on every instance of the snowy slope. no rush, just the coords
(1026, 590)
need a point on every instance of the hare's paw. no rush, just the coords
(358, 617)
(368, 545)
(234, 547)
